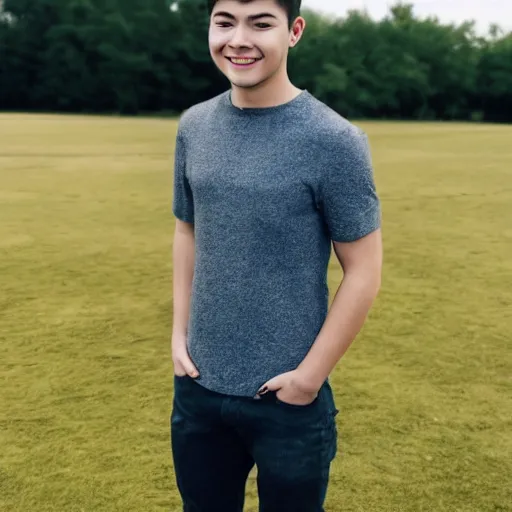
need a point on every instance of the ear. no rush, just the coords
(296, 31)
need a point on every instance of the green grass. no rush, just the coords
(85, 317)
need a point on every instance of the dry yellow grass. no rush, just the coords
(85, 316)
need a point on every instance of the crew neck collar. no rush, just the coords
(298, 100)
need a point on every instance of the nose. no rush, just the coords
(239, 38)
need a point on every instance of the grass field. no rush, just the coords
(85, 317)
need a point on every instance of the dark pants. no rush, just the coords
(217, 439)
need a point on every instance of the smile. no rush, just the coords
(242, 61)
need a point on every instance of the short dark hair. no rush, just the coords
(292, 7)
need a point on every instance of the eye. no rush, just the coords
(224, 24)
(262, 25)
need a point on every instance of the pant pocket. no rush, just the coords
(286, 405)
(330, 435)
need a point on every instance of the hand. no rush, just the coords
(183, 365)
(291, 388)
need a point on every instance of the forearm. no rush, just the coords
(183, 273)
(345, 319)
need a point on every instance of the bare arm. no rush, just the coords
(362, 265)
(183, 273)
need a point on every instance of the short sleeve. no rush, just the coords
(349, 200)
(183, 201)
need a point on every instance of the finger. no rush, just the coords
(190, 368)
(178, 369)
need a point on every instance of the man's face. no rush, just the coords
(249, 42)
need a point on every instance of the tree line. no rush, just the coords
(133, 56)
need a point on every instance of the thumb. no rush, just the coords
(271, 385)
(189, 367)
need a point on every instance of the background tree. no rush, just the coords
(133, 56)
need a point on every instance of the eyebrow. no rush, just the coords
(253, 17)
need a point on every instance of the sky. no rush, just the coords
(484, 12)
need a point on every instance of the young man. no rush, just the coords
(266, 179)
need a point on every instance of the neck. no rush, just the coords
(271, 93)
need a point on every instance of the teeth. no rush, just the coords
(243, 61)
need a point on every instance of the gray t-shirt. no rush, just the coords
(267, 190)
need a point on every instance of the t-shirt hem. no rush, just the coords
(223, 390)
(184, 217)
(372, 222)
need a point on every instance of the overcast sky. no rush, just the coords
(484, 12)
